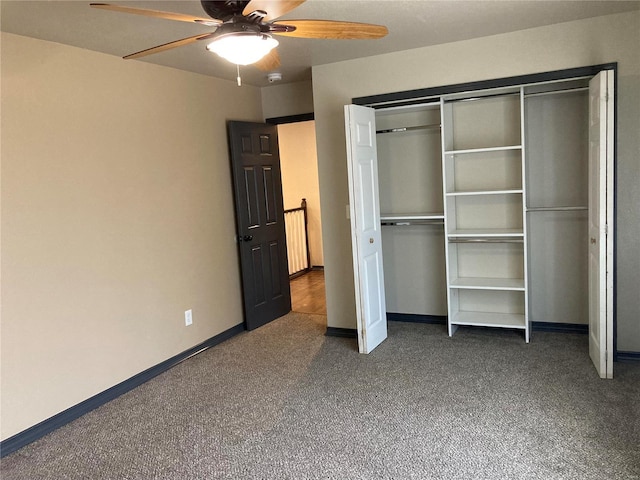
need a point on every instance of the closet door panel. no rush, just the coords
(365, 226)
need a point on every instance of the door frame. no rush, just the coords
(423, 95)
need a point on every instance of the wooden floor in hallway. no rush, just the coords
(308, 294)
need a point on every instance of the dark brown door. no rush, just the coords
(255, 163)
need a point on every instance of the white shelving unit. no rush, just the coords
(484, 199)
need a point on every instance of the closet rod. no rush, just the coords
(471, 99)
(553, 92)
(406, 129)
(486, 240)
(413, 222)
(556, 209)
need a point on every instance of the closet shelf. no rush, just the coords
(489, 319)
(484, 192)
(483, 150)
(484, 283)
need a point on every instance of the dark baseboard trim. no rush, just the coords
(393, 317)
(341, 332)
(305, 271)
(39, 430)
(417, 318)
(442, 320)
(627, 356)
(560, 327)
(293, 276)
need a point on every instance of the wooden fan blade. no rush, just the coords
(332, 29)
(274, 8)
(169, 46)
(269, 62)
(157, 13)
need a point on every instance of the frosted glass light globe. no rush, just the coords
(243, 48)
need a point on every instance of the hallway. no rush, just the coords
(308, 293)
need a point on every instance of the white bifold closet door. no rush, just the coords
(601, 225)
(366, 235)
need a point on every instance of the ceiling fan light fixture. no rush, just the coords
(243, 48)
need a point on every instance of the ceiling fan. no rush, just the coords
(244, 30)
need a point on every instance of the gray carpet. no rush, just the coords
(285, 402)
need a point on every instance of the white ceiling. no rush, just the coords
(412, 23)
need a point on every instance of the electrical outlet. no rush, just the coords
(188, 318)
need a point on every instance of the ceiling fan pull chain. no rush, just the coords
(238, 77)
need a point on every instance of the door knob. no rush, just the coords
(371, 240)
(246, 238)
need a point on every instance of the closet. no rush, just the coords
(479, 197)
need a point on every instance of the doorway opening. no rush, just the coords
(300, 185)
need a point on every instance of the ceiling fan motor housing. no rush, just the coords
(223, 10)
(233, 20)
(237, 27)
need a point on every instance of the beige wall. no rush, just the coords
(299, 164)
(613, 38)
(117, 216)
(286, 99)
